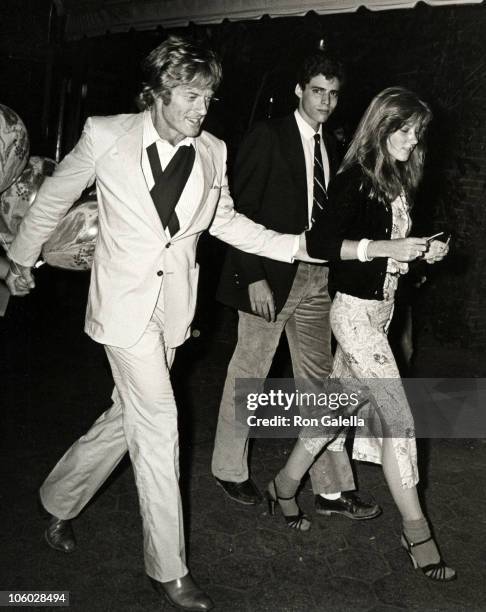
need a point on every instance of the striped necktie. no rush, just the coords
(169, 184)
(319, 193)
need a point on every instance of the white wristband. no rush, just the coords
(368, 258)
(362, 250)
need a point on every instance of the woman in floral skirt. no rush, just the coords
(363, 230)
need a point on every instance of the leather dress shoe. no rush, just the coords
(348, 505)
(184, 594)
(245, 492)
(59, 535)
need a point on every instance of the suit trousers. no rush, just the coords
(142, 420)
(305, 319)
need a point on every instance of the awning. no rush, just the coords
(97, 17)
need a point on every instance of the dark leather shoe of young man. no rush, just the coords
(59, 535)
(184, 594)
(245, 492)
(348, 505)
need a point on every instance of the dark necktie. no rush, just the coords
(319, 193)
(169, 184)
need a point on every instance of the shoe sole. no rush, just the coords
(353, 517)
(51, 545)
(238, 500)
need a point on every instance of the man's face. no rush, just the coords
(318, 99)
(182, 115)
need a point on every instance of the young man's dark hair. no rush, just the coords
(320, 62)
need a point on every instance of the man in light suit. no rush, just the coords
(161, 182)
(275, 183)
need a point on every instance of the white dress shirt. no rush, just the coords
(307, 134)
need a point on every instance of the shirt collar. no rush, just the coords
(150, 134)
(305, 129)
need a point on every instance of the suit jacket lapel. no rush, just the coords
(129, 148)
(332, 153)
(293, 151)
(203, 164)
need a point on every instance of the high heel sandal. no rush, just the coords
(295, 521)
(434, 571)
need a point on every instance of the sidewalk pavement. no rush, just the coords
(55, 383)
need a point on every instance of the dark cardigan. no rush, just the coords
(351, 214)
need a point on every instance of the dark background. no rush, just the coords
(438, 51)
(54, 381)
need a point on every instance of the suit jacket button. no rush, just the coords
(168, 245)
(159, 272)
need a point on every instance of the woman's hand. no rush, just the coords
(401, 249)
(436, 252)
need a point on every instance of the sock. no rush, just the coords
(331, 496)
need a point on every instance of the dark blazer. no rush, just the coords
(270, 187)
(352, 213)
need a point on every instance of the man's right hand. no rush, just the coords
(261, 300)
(19, 279)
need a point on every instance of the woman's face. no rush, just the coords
(401, 143)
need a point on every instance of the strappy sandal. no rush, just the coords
(434, 571)
(296, 521)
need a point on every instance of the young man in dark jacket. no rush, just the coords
(281, 173)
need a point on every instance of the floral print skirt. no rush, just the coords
(364, 358)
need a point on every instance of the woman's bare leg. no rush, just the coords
(415, 526)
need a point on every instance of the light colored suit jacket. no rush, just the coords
(132, 248)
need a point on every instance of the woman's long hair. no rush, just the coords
(389, 111)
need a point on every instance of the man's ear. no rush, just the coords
(166, 96)
(298, 91)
